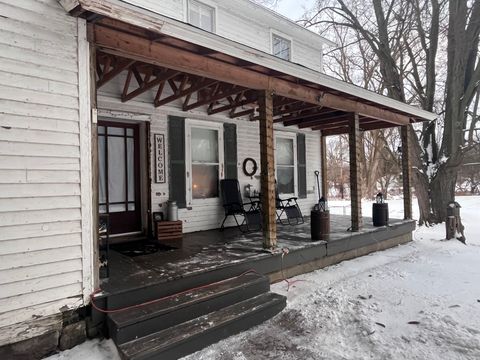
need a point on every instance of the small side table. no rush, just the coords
(169, 230)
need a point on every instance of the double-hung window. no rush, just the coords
(286, 163)
(201, 15)
(281, 47)
(204, 159)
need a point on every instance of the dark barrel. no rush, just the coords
(320, 224)
(380, 214)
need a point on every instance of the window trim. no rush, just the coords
(290, 136)
(205, 3)
(277, 33)
(209, 125)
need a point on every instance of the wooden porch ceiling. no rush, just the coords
(200, 77)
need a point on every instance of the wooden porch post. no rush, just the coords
(323, 172)
(355, 188)
(267, 159)
(95, 175)
(406, 171)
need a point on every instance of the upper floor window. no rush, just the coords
(201, 15)
(281, 47)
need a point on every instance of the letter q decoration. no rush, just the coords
(250, 167)
(159, 158)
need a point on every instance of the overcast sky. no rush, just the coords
(293, 9)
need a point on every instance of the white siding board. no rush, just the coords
(40, 297)
(37, 244)
(32, 149)
(39, 284)
(13, 176)
(38, 190)
(37, 111)
(32, 203)
(21, 67)
(36, 97)
(38, 163)
(51, 256)
(39, 230)
(38, 217)
(37, 84)
(34, 58)
(31, 272)
(38, 136)
(23, 122)
(29, 16)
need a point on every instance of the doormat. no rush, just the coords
(133, 249)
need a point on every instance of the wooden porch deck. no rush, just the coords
(212, 255)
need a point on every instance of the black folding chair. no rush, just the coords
(234, 206)
(290, 208)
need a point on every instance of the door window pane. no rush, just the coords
(102, 198)
(204, 145)
(116, 169)
(116, 131)
(204, 181)
(130, 169)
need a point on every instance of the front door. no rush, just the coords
(119, 176)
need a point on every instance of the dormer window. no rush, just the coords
(201, 15)
(281, 47)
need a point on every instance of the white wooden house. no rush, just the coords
(166, 128)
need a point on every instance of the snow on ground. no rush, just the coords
(416, 301)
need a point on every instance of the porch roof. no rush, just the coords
(158, 51)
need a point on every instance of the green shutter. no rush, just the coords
(302, 166)
(230, 148)
(176, 145)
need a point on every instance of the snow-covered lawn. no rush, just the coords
(416, 301)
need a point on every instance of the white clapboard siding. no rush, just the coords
(39, 163)
(24, 122)
(41, 241)
(38, 230)
(25, 273)
(245, 22)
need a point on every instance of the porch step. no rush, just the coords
(195, 334)
(175, 309)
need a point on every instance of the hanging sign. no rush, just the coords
(159, 158)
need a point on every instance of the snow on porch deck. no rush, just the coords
(234, 252)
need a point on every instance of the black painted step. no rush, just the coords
(139, 322)
(193, 335)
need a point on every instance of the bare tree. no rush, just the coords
(427, 51)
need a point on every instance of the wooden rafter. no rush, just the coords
(241, 113)
(233, 104)
(220, 93)
(196, 84)
(145, 83)
(110, 68)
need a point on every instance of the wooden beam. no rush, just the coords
(338, 131)
(300, 117)
(324, 169)
(137, 48)
(267, 166)
(405, 134)
(326, 120)
(354, 142)
(231, 106)
(233, 115)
